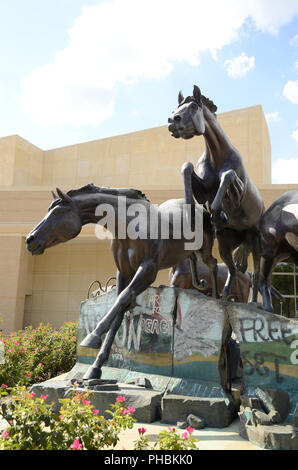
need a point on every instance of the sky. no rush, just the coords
(78, 70)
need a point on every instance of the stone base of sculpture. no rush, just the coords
(171, 361)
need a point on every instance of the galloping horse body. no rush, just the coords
(138, 260)
(221, 182)
(279, 239)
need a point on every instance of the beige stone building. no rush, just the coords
(50, 287)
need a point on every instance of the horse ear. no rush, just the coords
(180, 97)
(54, 195)
(63, 196)
(197, 94)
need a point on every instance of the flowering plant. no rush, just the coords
(37, 354)
(171, 440)
(78, 426)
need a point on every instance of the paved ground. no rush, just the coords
(209, 438)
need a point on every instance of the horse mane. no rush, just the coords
(206, 101)
(91, 188)
(209, 104)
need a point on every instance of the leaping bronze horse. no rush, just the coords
(221, 182)
(279, 239)
(138, 260)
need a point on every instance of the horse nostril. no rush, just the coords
(29, 238)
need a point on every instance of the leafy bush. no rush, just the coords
(168, 440)
(37, 354)
(79, 426)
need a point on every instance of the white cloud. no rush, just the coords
(294, 40)
(273, 117)
(285, 171)
(122, 41)
(295, 133)
(270, 15)
(239, 66)
(290, 91)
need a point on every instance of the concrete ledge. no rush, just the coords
(146, 402)
(216, 412)
(274, 437)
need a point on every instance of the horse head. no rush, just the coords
(188, 119)
(61, 223)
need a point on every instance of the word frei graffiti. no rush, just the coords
(264, 332)
(138, 221)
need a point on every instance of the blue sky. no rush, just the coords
(75, 70)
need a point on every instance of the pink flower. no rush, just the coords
(171, 429)
(76, 384)
(120, 399)
(10, 350)
(44, 397)
(32, 394)
(4, 386)
(124, 411)
(28, 374)
(185, 435)
(95, 412)
(16, 343)
(10, 421)
(5, 434)
(141, 430)
(190, 430)
(86, 402)
(76, 445)
(131, 410)
(60, 417)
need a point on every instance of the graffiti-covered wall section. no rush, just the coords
(269, 350)
(169, 333)
(178, 337)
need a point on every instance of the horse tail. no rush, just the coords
(240, 257)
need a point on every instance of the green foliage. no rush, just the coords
(172, 440)
(37, 354)
(169, 439)
(34, 426)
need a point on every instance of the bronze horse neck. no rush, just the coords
(216, 141)
(87, 203)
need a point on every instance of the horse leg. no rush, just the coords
(197, 283)
(256, 253)
(206, 255)
(94, 371)
(193, 186)
(228, 240)
(144, 276)
(231, 186)
(267, 264)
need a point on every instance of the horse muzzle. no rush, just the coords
(34, 246)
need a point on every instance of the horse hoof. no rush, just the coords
(92, 373)
(91, 341)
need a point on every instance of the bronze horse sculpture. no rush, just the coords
(279, 239)
(221, 182)
(138, 260)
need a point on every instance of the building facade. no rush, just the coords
(50, 287)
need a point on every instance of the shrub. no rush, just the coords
(79, 426)
(168, 440)
(37, 354)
